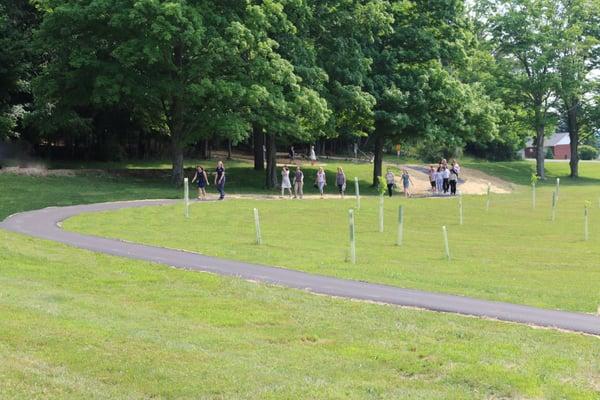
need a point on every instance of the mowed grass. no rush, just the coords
(80, 325)
(509, 253)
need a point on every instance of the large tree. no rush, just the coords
(155, 57)
(578, 32)
(523, 38)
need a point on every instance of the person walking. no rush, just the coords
(439, 180)
(298, 183)
(292, 153)
(432, 173)
(202, 179)
(313, 155)
(406, 182)
(285, 181)
(390, 179)
(321, 181)
(446, 179)
(453, 181)
(340, 180)
(220, 179)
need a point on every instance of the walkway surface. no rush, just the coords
(45, 224)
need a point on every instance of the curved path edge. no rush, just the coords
(44, 224)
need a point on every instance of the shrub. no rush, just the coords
(549, 154)
(587, 152)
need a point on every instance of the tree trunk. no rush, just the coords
(177, 162)
(539, 148)
(271, 175)
(573, 124)
(259, 141)
(378, 161)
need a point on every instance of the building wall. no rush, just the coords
(562, 152)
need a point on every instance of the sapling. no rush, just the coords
(400, 237)
(460, 208)
(534, 179)
(381, 188)
(489, 191)
(586, 212)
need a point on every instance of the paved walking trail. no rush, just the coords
(45, 224)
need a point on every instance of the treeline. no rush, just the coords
(132, 77)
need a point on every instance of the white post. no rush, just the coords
(533, 195)
(586, 235)
(557, 186)
(352, 236)
(400, 226)
(554, 197)
(487, 203)
(460, 208)
(186, 197)
(357, 192)
(447, 247)
(257, 227)
(381, 213)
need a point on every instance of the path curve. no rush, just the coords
(45, 223)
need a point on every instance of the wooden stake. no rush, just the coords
(447, 247)
(400, 237)
(257, 227)
(533, 195)
(586, 233)
(554, 198)
(381, 213)
(352, 236)
(357, 191)
(489, 191)
(186, 197)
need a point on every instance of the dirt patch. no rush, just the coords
(470, 181)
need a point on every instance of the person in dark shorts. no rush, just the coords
(202, 179)
(432, 175)
(453, 180)
(390, 180)
(220, 180)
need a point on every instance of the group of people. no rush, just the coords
(445, 178)
(320, 182)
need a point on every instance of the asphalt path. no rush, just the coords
(45, 224)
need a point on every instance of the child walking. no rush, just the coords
(391, 181)
(321, 180)
(432, 175)
(285, 181)
(298, 183)
(202, 179)
(340, 180)
(406, 182)
(439, 180)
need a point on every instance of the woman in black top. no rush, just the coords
(220, 180)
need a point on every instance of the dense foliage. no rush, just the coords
(130, 78)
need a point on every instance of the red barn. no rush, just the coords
(559, 144)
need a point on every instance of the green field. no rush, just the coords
(81, 325)
(509, 253)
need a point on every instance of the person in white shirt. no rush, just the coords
(285, 181)
(321, 181)
(390, 180)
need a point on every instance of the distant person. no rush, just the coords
(390, 179)
(292, 153)
(446, 179)
(456, 167)
(313, 155)
(220, 180)
(439, 179)
(202, 179)
(406, 182)
(321, 181)
(285, 181)
(298, 183)
(340, 180)
(431, 174)
(453, 180)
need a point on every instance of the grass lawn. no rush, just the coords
(80, 325)
(509, 253)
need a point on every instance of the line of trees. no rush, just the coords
(438, 75)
